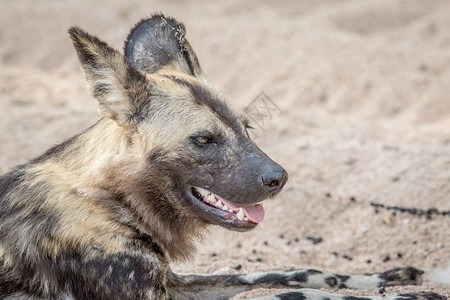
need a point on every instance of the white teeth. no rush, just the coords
(219, 204)
(245, 219)
(201, 191)
(211, 198)
(240, 214)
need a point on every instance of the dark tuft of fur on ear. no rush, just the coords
(160, 41)
(121, 90)
(83, 43)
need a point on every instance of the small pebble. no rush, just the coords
(387, 219)
(314, 240)
(347, 257)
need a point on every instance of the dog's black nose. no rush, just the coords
(275, 179)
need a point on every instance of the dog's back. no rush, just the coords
(62, 235)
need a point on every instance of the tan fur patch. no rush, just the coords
(75, 192)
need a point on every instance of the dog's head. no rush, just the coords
(193, 149)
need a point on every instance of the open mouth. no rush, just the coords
(232, 213)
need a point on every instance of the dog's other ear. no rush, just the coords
(119, 88)
(160, 42)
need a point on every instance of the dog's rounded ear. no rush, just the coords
(159, 42)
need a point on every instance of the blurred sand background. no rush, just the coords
(365, 91)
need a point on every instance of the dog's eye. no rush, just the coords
(203, 140)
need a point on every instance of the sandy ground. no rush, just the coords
(364, 89)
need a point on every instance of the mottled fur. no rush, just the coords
(101, 215)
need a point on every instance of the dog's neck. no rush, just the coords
(106, 169)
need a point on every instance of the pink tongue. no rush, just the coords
(254, 213)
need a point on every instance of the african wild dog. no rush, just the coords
(101, 215)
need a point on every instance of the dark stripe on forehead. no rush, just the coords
(203, 96)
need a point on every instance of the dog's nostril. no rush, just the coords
(273, 183)
(274, 179)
